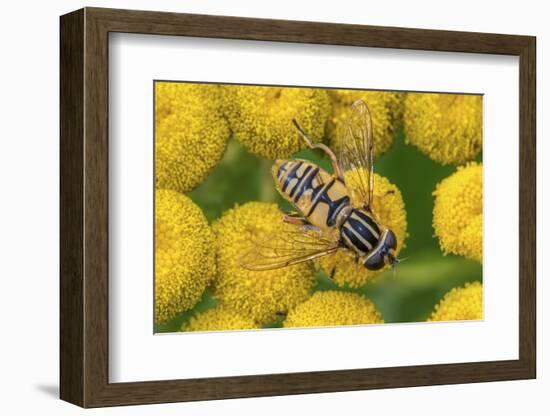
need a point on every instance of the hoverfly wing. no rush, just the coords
(357, 151)
(289, 247)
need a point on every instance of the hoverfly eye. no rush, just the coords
(374, 262)
(391, 241)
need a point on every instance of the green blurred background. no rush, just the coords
(418, 284)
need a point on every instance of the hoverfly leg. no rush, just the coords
(334, 160)
(295, 219)
(289, 212)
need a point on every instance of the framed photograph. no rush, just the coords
(255, 207)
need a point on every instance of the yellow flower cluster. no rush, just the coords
(460, 304)
(220, 318)
(190, 133)
(333, 308)
(259, 295)
(192, 125)
(184, 260)
(458, 212)
(386, 110)
(389, 210)
(446, 127)
(261, 117)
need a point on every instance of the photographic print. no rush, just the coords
(349, 209)
(294, 207)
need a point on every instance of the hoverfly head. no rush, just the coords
(384, 253)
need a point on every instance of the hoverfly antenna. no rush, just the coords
(394, 261)
(403, 259)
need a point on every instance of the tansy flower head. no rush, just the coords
(333, 308)
(259, 295)
(389, 210)
(385, 108)
(184, 258)
(190, 134)
(460, 304)
(220, 318)
(261, 117)
(457, 215)
(168, 98)
(446, 127)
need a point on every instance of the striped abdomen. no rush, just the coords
(317, 194)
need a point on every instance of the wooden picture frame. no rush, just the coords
(84, 207)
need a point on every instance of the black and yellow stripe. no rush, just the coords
(317, 194)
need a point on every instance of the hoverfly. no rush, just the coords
(325, 219)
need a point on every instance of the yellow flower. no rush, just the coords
(184, 254)
(333, 308)
(190, 134)
(167, 98)
(259, 295)
(458, 212)
(261, 117)
(389, 210)
(460, 304)
(386, 112)
(446, 127)
(220, 318)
